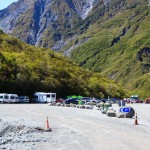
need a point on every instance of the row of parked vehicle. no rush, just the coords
(42, 97)
(133, 99)
(38, 97)
(13, 98)
(85, 100)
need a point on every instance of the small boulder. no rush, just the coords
(81, 106)
(63, 105)
(88, 103)
(110, 108)
(111, 113)
(51, 104)
(67, 105)
(103, 111)
(98, 105)
(125, 111)
(58, 104)
(88, 107)
(72, 105)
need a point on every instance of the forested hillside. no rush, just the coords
(25, 69)
(118, 47)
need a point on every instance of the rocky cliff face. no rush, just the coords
(9, 16)
(44, 22)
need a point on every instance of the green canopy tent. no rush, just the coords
(74, 96)
(68, 96)
(80, 101)
(79, 97)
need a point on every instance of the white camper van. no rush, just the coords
(3, 97)
(13, 98)
(9, 98)
(41, 97)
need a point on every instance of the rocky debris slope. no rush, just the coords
(16, 136)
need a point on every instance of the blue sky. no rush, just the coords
(5, 3)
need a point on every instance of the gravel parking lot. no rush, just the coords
(72, 128)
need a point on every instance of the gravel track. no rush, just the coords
(72, 128)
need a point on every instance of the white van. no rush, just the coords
(3, 97)
(41, 97)
(13, 98)
(9, 98)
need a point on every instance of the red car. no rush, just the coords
(60, 100)
(135, 101)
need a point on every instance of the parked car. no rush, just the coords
(135, 100)
(115, 99)
(60, 100)
(71, 101)
(128, 100)
(97, 100)
(87, 99)
(23, 99)
(104, 100)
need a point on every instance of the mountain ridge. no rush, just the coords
(43, 17)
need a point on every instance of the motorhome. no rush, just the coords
(42, 97)
(3, 97)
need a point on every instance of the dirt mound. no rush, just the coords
(10, 134)
(19, 130)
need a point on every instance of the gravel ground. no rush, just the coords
(72, 128)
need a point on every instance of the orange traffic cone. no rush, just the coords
(136, 121)
(47, 128)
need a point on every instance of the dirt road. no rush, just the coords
(72, 128)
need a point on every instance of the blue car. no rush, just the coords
(71, 100)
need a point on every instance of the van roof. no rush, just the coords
(43, 93)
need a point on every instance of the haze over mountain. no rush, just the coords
(107, 36)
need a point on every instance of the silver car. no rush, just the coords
(23, 99)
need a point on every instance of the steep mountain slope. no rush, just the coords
(25, 69)
(118, 47)
(43, 22)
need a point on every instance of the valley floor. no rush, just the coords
(72, 128)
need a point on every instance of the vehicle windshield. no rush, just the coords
(135, 98)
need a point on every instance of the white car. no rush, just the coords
(23, 99)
